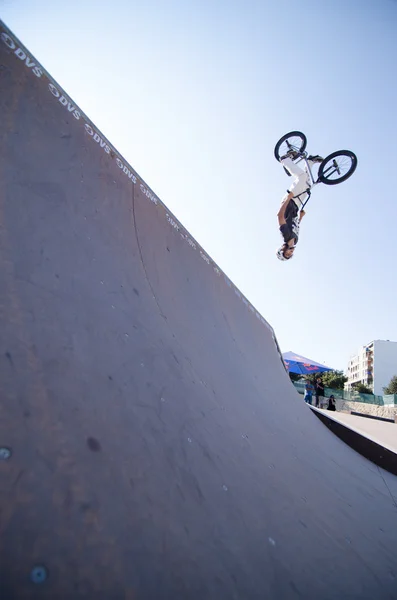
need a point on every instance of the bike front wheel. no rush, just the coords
(337, 167)
(294, 140)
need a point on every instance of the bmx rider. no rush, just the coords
(292, 204)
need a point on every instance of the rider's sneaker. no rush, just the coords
(290, 154)
(316, 158)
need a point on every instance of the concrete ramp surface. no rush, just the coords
(153, 446)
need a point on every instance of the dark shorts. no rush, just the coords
(290, 229)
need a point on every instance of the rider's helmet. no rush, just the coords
(280, 253)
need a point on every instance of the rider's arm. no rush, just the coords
(301, 215)
(281, 212)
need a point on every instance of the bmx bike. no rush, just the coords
(335, 167)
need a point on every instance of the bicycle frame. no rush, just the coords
(303, 156)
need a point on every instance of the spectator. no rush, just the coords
(331, 403)
(309, 389)
(319, 393)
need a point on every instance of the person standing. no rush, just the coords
(309, 389)
(319, 393)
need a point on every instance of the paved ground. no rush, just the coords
(158, 448)
(378, 431)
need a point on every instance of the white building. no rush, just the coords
(374, 365)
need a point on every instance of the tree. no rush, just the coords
(330, 379)
(334, 379)
(294, 376)
(392, 387)
(361, 388)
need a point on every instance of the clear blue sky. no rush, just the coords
(195, 95)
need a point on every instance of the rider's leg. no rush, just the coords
(300, 183)
(293, 168)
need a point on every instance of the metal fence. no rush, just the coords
(389, 400)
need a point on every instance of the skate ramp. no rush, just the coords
(158, 448)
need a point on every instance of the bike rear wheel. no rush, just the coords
(294, 140)
(337, 167)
